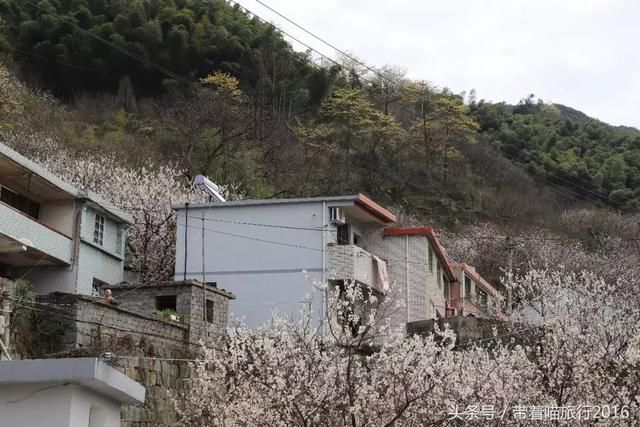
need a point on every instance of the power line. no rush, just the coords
(600, 196)
(599, 201)
(345, 54)
(297, 40)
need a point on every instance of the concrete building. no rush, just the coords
(418, 268)
(269, 253)
(81, 392)
(54, 235)
(471, 295)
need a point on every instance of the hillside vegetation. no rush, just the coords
(210, 89)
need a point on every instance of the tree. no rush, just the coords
(583, 347)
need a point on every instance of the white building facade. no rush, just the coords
(83, 392)
(273, 253)
(54, 235)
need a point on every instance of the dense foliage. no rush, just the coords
(570, 150)
(245, 109)
(87, 46)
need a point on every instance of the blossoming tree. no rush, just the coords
(582, 349)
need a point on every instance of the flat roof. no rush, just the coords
(359, 200)
(61, 185)
(86, 371)
(171, 284)
(255, 202)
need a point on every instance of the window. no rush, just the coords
(166, 302)
(20, 202)
(344, 234)
(430, 259)
(439, 276)
(96, 287)
(209, 312)
(467, 287)
(98, 231)
(482, 298)
(356, 239)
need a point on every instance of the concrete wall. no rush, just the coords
(104, 263)
(473, 330)
(18, 226)
(95, 263)
(59, 215)
(350, 262)
(113, 241)
(56, 405)
(263, 275)
(468, 303)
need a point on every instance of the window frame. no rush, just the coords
(343, 234)
(98, 229)
(467, 287)
(482, 297)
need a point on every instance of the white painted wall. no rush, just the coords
(55, 405)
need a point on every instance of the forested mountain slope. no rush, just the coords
(213, 90)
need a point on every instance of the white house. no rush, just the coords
(419, 269)
(81, 392)
(54, 235)
(269, 252)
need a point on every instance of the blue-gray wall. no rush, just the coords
(263, 266)
(105, 263)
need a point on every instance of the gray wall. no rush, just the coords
(105, 263)
(262, 274)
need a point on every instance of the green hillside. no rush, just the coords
(214, 90)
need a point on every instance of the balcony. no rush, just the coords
(26, 242)
(350, 262)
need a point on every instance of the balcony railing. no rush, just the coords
(22, 229)
(350, 262)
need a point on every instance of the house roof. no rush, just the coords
(471, 272)
(91, 373)
(435, 243)
(39, 177)
(359, 200)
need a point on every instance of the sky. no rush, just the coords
(584, 54)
